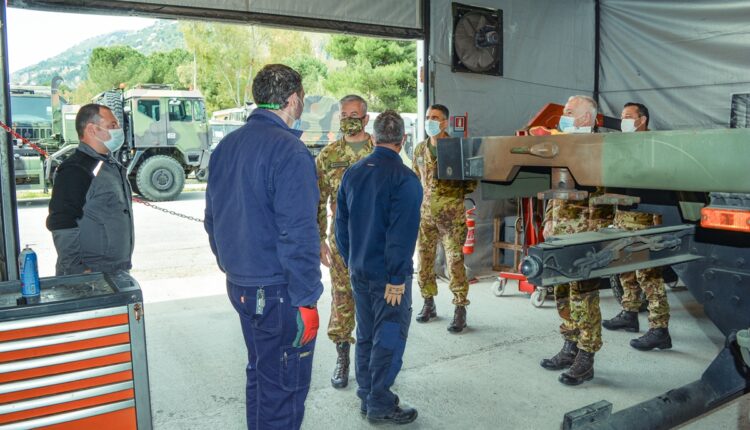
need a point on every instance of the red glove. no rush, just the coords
(307, 325)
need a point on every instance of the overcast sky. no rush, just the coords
(34, 36)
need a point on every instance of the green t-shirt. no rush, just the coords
(357, 146)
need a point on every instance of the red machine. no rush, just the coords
(529, 230)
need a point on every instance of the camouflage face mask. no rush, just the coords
(351, 126)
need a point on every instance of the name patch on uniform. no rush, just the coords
(338, 164)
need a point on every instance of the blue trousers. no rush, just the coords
(278, 375)
(381, 339)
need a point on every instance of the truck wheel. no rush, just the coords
(160, 178)
(113, 100)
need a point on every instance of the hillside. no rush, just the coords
(71, 64)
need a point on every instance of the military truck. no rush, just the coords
(32, 119)
(37, 116)
(166, 136)
(320, 123)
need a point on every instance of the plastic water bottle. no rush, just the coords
(29, 275)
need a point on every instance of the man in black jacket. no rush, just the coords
(90, 212)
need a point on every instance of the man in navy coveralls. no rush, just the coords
(262, 224)
(377, 220)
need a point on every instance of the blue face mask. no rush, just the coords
(566, 122)
(297, 124)
(116, 139)
(432, 127)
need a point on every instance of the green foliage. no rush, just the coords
(164, 66)
(227, 57)
(382, 71)
(314, 73)
(226, 69)
(111, 66)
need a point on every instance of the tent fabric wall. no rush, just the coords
(548, 57)
(397, 18)
(682, 59)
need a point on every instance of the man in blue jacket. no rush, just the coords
(377, 220)
(261, 219)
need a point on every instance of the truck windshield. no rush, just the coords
(31, 106)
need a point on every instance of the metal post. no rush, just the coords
(8, 210)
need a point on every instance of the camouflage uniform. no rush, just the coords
(578, 302)
(648, 280)
(443, 218)
(332, 162)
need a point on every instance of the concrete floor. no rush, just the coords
(485, 378)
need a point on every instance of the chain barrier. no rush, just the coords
(167, 211)
(33, 146)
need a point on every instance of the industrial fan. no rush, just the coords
(477, 40)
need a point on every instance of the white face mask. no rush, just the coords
(116, 139)
(567, 125)
(432, 127)
(296, 119)
(627, 125)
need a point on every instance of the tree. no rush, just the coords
(382, 71)
(229, 56)
(164, 67)
(111, 66)
(314, 73)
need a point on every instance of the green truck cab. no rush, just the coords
(166, 137)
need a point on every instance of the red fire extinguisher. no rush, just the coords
(470, 224)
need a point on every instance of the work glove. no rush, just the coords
(393, 294)
(325, 254)
(307, 325)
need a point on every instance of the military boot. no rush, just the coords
(581, 371)
(625, 320)
(428, 310)
(654, 338)
(562, 359)
(459, 320)
(340, 378)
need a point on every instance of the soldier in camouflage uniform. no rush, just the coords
(442, 219)
(635, 118)
(332, 162)
(577, 302)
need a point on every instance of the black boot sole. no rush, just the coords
(558, 367)
(661, 346)
(421, 319)
(628, 329)
(567, 380)
(378, 421)
(339, 385)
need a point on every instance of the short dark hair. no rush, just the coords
(642, 110)
(389, 128)
(90, 113)
(441, 108)
(274, 84)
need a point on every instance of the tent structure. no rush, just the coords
(683, 59)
